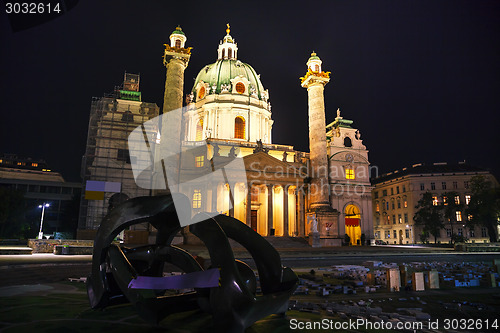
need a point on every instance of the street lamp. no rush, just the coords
(42, 206)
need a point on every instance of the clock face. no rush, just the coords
(349, 157)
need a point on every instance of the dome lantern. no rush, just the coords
(228, 49)
(177, 38)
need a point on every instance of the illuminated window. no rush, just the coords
(177, 43)
(405, 204)
(445, 201)
(200, 161)
(469, 217)
(459, 216)
(199, 130)
(240, 88)
(1, 161)
(457, 200)
(197, 199)
(19, 163)
(201, 93)
(434, 201)
(239, 128)
(349, 173)
(377, 207)
(400, 219)
(34, 164)
(467, 199)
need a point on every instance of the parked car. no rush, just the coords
(380, 242)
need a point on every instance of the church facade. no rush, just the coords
(323, 194)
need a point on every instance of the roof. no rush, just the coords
(435, 168)
(178, 31)
(223, 70)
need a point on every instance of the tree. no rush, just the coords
(12, 221)
(450, 206)
(428, 216)
(484, 205)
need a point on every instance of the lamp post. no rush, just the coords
(42, 206)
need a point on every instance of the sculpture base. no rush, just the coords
(314, 239)
(327, 242)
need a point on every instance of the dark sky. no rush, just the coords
(420, 79)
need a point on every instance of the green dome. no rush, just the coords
(224, 70)
(178, 31)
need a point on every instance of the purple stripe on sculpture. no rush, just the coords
(115, 187)
(95, 185)
(202, 279)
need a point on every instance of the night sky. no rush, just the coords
(420, 79)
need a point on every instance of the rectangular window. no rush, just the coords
(200, 161)
(349, 173)
(484, 232)
(445, 201)
(388, 219)
(422, 187)
(387, 204)
(457, 200)
(34, 164)
(375, 194)
(406, 217)
(395, 234)
(466, 184)
(197, 199)
(433, 186)
(392, 190)
(400, 220)
(384, 193)
(458, 214)
(123, 155)
(407, 233)
(405, 204)
(377, 207)
(387, 234)
(399, 203)
(469, 217)
(472, 233)
(397, 189)
(460, 231)
(377, 220)
(392, 205)
(455, 185)
(393, 219)
(443, 185)
(467, 199)
(434, 200)
(448, 232)
(404, 188)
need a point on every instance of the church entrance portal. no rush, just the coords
(352, 224)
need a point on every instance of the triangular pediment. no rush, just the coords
(264, 166)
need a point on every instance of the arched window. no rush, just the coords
(239, 128)
(199, 130)
(223, 53)
(316, 68)
(347, 142)
(177, 43)
(240, 88)
(229, 53)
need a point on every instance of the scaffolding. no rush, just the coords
(106, 160)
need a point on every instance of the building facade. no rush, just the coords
(286, 192)
(106, 168)
(39, 184)
(396, 195)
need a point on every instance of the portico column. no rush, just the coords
(285, 210)
(270, 226)
(214, 196)
(232, 187)
(249, 205)
(301, 222)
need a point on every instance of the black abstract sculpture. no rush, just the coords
(233, 304)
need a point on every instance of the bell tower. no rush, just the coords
(325, 217)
